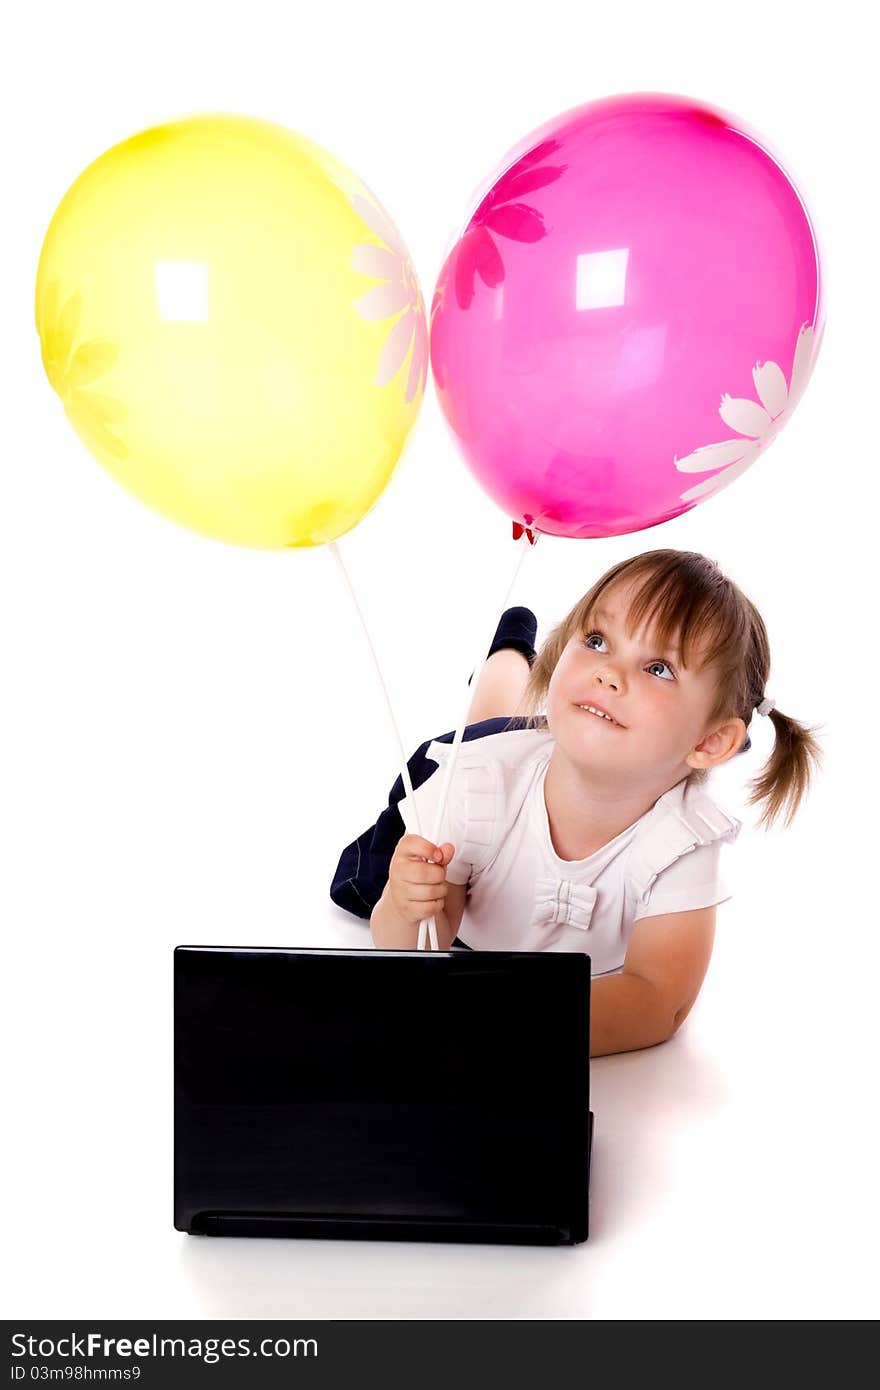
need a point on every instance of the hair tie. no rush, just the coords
(766, 705)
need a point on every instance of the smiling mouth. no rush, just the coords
(600, 714)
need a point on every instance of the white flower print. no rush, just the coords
(760, 424)
(400, 290)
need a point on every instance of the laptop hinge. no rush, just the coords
(220, 1223)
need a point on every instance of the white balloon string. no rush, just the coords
(428, 925)
(404, 767)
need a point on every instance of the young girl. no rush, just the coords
(589, 828)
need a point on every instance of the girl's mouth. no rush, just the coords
(599, 713)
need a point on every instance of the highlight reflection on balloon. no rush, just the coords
(235, 329)
(628, 317)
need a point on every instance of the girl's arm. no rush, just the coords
(665, 965)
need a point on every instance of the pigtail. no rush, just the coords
(783, 781)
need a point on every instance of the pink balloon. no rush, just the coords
(636, 261)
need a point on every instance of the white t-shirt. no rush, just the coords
(522, 895)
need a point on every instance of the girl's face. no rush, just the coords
(659, 726)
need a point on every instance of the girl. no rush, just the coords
(589, 827)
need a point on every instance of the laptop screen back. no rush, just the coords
(393, 1088)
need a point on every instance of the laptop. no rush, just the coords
(383, 1095)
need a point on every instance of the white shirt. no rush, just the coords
(522, 895)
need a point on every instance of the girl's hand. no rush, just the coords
(417, 877)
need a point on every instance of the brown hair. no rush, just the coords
(685, 598)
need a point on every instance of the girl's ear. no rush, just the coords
(718, 745)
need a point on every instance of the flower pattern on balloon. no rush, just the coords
(71, 370)
(758, 422)
(501, 214)
(399, 289)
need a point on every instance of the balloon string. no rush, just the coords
(428, 925)
(404, 767)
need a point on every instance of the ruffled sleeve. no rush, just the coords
(690, 882)
(362, 871)
(674, 865)
(471, 818)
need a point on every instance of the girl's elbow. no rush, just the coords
(678, 1017)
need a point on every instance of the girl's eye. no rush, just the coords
(665, 672)
(595, 642)
(661, 669)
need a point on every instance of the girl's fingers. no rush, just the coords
(427, 892)
(416, 847)
(421, 873)
(430, 909)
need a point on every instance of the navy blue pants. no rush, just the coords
(362, 871)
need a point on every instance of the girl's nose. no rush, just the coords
(610, 678)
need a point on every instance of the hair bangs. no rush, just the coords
(683, 604)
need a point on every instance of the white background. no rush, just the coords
(192, 732)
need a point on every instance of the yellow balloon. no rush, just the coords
(235, 329)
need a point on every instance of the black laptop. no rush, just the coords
(405, 1095)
